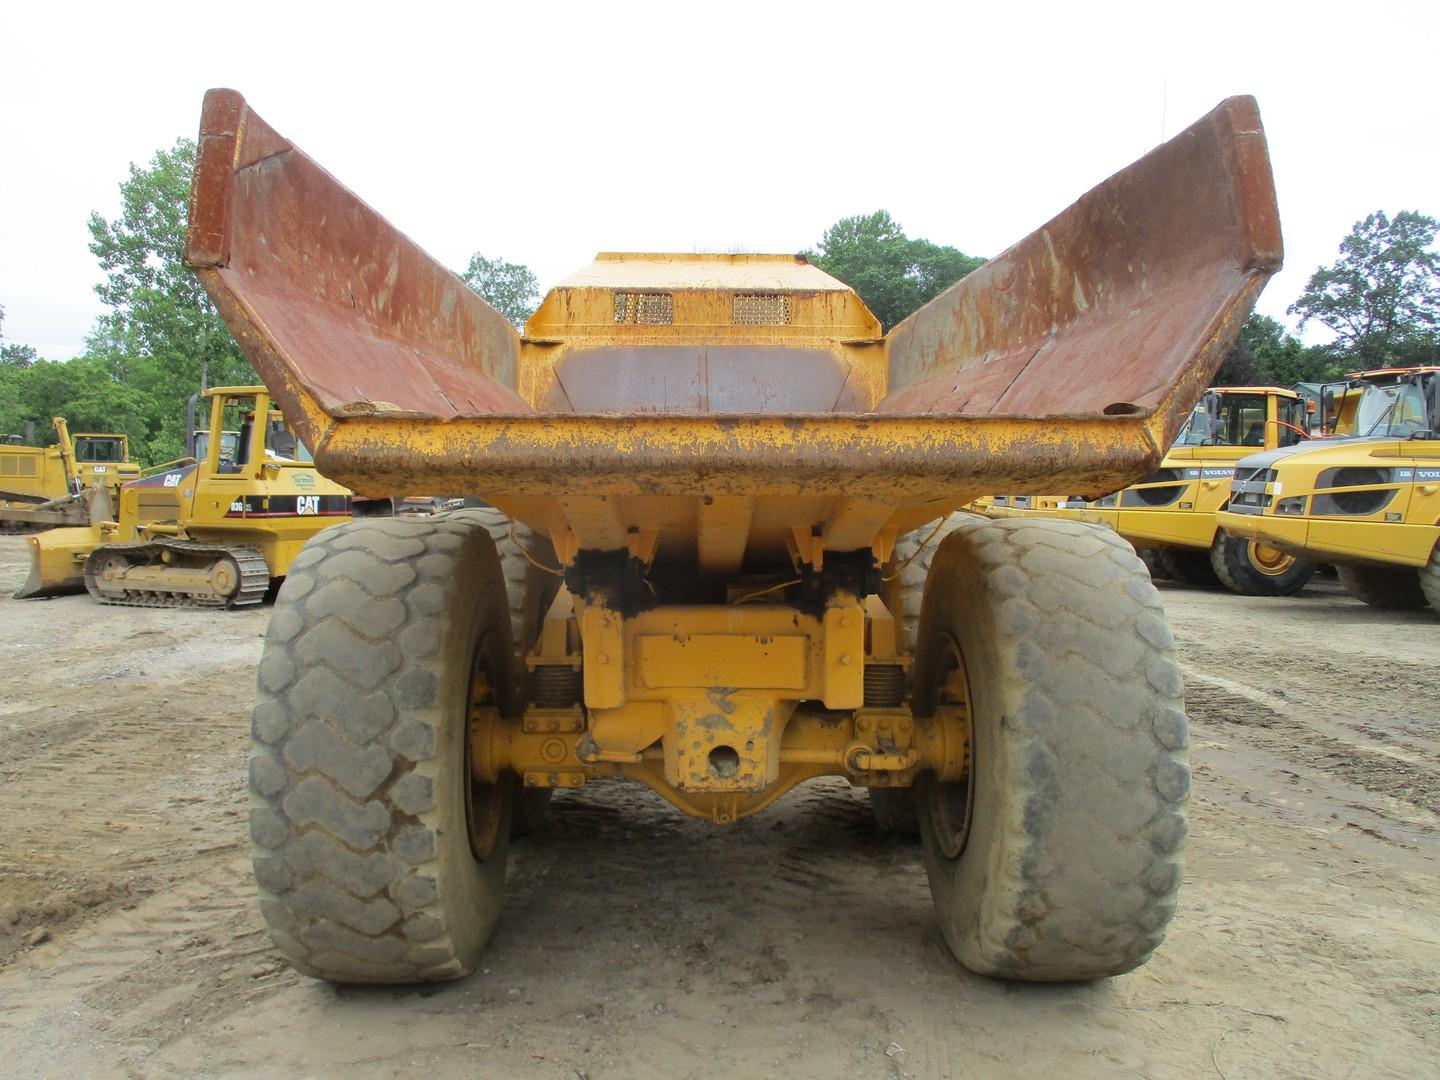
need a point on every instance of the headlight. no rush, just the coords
(1293, 505)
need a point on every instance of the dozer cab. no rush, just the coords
(1370, 504)
(75, 481)
(719, 554)
(213, 532)
(1169, 516)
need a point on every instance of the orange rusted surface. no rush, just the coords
(647, 385)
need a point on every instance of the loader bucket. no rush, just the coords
(739, 398)
(57, 562)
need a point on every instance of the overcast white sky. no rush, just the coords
(546, 132)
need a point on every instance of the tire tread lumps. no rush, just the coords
(1430, 579)
(1096, 779)
(345, 731)
(1392, 588)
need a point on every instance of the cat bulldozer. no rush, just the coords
(719, 555)
(1169, 516)
(75, 481)
(1370, 503)
(214, 532)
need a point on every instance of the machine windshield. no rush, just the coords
(91, 448)
(229, 440)
(1396, 410)
(1240, 422)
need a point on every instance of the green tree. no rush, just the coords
(893, 274)
(1264, 352)
(17, 356)
(156, 304)
(83, 391)
(510, 288)
(20, 356)
(1381, 298)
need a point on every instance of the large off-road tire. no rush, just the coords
(378, 860)
(1394, 588)
(1251, 568)
(1187, 567)
(1430, 579)
(903, 581)
(1059, 858)
(904, 576)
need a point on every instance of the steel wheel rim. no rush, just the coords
(1272, 562)
(484, 803)
(951, 806)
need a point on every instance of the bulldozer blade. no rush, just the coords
(57, 562)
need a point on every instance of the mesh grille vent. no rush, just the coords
(760, 309)
(644, 309)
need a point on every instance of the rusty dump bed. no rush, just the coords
(656, 392)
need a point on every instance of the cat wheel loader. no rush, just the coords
(1369, 504)
(719, 554)
(1169, 516)
(213, 532)
(73, 482)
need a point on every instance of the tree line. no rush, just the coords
(160, 339)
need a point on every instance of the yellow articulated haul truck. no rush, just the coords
(209, 533)
(1170, 514)
(74, 481)
(721, 478)
(1370, 505)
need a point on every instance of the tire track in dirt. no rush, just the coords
(146, 792)
(191, 954)
(1408, 778)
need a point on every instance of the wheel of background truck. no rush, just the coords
(1430, 578)
(903, 579)
(530, 591)
(903, 582)
(1187, 567)
(1151, 558)
(1251, 568)
(1395, 588)
(1059, 856)
(377, 858)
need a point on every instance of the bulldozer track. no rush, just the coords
(253, 571)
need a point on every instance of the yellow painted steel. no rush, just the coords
(716, 706)
(1402, 532)
(212, 501)
(869, 747)
(1198, 477)
(61, 475)
(1302, 514)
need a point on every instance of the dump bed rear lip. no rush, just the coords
(1063, 304)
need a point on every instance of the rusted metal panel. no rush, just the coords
(713, 379)
(1111, 304)
(362, 318)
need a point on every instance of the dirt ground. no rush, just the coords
(801, 943)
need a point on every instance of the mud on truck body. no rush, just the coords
(709, 559)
